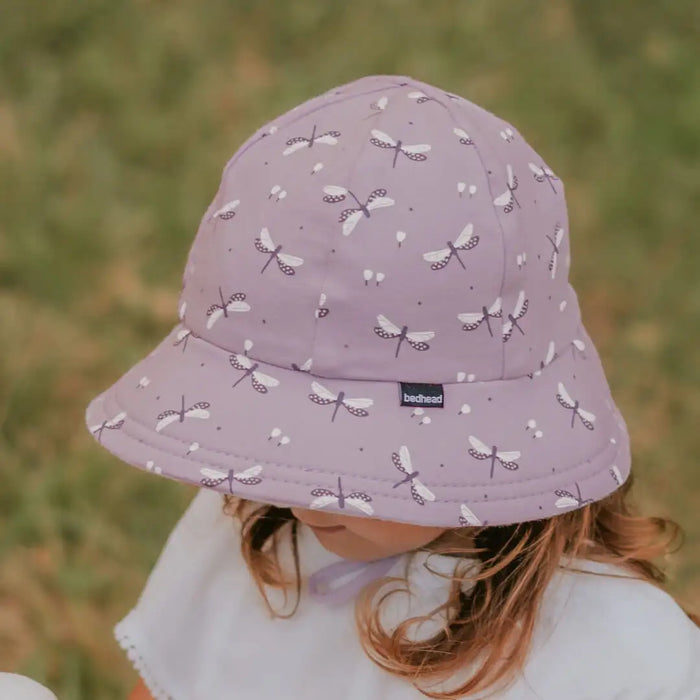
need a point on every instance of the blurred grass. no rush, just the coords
(116, 119)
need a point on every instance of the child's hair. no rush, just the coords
(493, 622)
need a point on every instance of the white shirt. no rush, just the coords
(201, 631)
(16, 687)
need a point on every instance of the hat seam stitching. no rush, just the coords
(476, 128)
(375, 480)
(560, 355)
(348, 177)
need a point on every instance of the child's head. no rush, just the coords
(377, 330)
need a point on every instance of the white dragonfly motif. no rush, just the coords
(357, 499)
(467, 516)
(551, 355)
(305, 367)
(414, 152)
(542, 173)
(350, 217)
(227, 211)
(464, 137)
(285, 262)
(556, 242)
(563, 397)
(294, 144)
(378, 107)
(197, 410)
(420, 97)
(321, 311)
(512, 322)
(465, 241)
(568, 500)
(402, 461)
(615, 473)
(479, 450)
(323, 396)
(235, 303)
(473, 319)
(111, 424)
(260, 380)
(183, 335)
(387, 329)
(214, 477)
(506, 199)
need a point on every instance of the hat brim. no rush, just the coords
(186, 412)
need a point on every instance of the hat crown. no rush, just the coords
(386, 230)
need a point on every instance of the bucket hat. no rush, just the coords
(375, 319)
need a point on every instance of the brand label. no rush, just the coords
(427, 395)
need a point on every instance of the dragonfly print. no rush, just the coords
(421, 98)
(321, 311)
(357, 499)
(323, 396)
(197, 410)
(563, 397)
(285, 262)
(472, 320)
(306, 367)
(556, 242)
(377, 107)
(542, 173)
(463, 136)
(479, 450)
(616, 475)
(551, 355)
(259, 380)
(295, 143)
(465, 241)
(350, 217)
(111, 424)
(416, 339)
(518, 313)
(568, 500)
(183, 335)
(214, 477)
(402, 461)
(506, 199)
(235, 303)
(227, 211)
(414, 152)
(468, 518)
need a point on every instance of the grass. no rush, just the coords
(116, 119)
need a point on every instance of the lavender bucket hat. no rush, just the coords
(375, 319)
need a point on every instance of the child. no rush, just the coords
(381, 365)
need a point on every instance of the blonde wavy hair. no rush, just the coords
(489, 627)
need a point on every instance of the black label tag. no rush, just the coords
(423, 395)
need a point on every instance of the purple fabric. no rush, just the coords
(321, 582)
(376, 239)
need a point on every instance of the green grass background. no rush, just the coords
(116, 119)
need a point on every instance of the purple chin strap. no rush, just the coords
(321, 582)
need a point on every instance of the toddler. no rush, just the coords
(413, 480)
